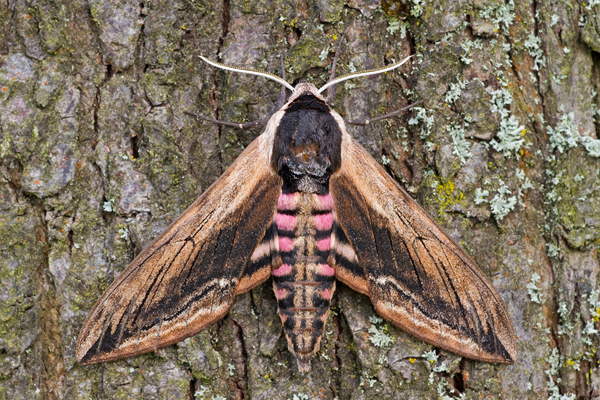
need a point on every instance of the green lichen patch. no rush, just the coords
(22, 257)
(304, 55)
(163, 33)
(577, 199)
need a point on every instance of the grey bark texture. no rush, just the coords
(97, 157)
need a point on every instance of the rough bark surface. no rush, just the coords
(97, 157)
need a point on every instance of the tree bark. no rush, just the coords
(97, 157)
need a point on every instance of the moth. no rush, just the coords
(307, 205)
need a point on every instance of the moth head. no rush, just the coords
(304, 88)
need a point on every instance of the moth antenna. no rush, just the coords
(364, 73)
(249, 71)
(245, 125)
(364, 122)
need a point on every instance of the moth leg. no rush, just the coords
(364, 122)
(282, 96)
(331, 90)
(246, 125)
(280, 102)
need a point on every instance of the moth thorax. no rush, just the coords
(311, 176)
(307, 145)
(306, 152)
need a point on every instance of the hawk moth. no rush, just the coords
(306, 205)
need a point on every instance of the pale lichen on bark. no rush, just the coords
(97, 157)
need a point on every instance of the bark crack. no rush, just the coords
(193, 385)
(242, 383)
(53, 369)
(214, 98)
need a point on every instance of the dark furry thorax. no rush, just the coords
(307, 146)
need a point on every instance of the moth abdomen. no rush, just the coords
(304, 282)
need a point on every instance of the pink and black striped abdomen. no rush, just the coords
(304, 282)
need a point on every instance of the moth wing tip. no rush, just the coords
(512, 358)
(80, 353)
(86, 357)
(81, 359)
(511, 349)
(507, 360)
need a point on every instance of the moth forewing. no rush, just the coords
(417, 276)
(187, 278)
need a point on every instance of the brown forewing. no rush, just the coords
(416, 275)
(188, 277)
